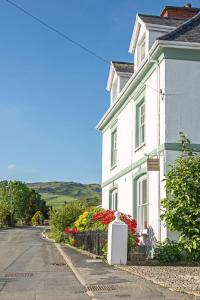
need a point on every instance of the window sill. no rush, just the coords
(139, 147)
(113, 167)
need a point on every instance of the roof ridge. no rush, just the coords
(180, 27)
(122, 62)
(160, 17)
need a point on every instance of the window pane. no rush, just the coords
(144, 191)
(113, 148)
(142, 206)
(114, 202)
(142, 51)
(140, 124)
(145, 217)
(142, 134)
(139, 193)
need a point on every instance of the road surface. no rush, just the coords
(32, 268)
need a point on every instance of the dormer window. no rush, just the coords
(141, 51)
(120, 73)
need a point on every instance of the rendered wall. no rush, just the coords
(182, 100)
(127, 154)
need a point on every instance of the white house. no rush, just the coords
(151, 101)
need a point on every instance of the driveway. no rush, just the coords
(32, 268)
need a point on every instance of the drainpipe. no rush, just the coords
(158, 137)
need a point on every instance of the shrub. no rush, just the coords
(104, 217)
(64, 217)
(182, 204)
(168, 252)
(71, 240)
(85, 221)
(37, 218)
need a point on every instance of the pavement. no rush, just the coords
(109, 282)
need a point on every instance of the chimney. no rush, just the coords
(184, 12)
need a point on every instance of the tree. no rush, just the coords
(64, 217)
(22, 201)
(182, 204)
(4, 211)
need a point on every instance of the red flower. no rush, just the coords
(67, 231)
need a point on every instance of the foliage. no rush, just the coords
(64, 217)
(182, 204)
(168, 252)
(72, 230)
(71, 240)
(70, 235)
(22, 201)
(105, 250)
(104, 217)
(37, 219)
(85, 221)
(99, 219)
(4, 211)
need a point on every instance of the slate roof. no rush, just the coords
(123, 67)
(189, 31)
(161, 20)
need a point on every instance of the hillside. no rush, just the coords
(56, 193)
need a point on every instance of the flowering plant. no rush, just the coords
(72, 230)
(107, 216)
(85, 221)
(104, 217)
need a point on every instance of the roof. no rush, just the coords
(189, 31)
(123, 67)
(173, 22)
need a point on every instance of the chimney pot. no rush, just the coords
(188, 5)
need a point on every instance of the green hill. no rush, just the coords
(57, 193)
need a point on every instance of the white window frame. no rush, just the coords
(114, 148)
(142, 204)
(114, 199)
(140, 124)
(114, 90)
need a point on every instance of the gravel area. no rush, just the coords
(184, 279)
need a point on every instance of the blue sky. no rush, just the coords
(52, 93)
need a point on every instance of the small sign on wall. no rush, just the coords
(153, 164)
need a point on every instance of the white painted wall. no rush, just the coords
(182, 100)
(126, 154)
(123, 80)
(179, 111)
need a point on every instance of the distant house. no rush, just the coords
(151, 101)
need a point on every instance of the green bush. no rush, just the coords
(64, 217)
(37, 219)
(168, 252)
(182, 204)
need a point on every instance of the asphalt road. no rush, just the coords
(31, 268)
